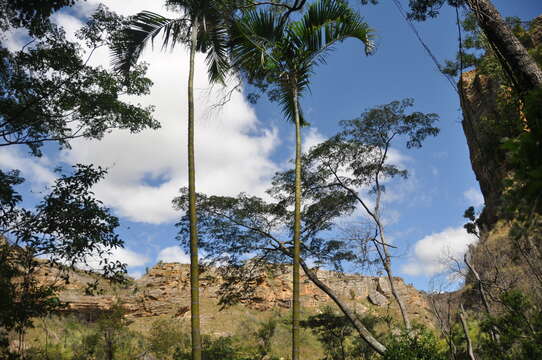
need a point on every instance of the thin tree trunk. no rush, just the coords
(528, 74)
(466, 331)
(194, 264)
(479, 283)
(358, 325)
(296, 310)
(385, 255)
(389, 273)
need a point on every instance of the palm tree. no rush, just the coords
(284, 54)
(201, 28)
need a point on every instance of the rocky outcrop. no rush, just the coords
(480, 117)
(485, 125)
(165, 290)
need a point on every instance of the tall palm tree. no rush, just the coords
(203, 28)
(284, 54)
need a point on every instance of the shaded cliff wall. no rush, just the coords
(503, 256)
(485, 125)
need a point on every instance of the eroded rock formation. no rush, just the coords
(165, 290)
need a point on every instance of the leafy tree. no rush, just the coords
(221, 348)
(284, 54)
(166, 336)
(420, 345)
(358, 158)
(234, 228)
(335, 333)
(66, 227)
(202, 28)
(519, 327)
(523, 69)
(265, 334)
(49, 93)
(32, 15)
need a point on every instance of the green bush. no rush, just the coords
(420, 344)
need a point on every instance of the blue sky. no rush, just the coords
(241, 146)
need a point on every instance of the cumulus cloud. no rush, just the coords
(126, 256)
(432, 254)
(312, 138)
(474, 197)
(147, 169)
(35, 170)
(173, 254)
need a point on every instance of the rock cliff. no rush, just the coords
(165, 290)
(485, 125)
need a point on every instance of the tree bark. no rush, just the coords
(358, 325)
(527, 73)
(385, 255)
(466, 331)
(389, 273)
(296, 309)
(194, 264)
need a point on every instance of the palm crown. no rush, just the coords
(266, 48)
(207, 17)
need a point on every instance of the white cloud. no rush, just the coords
(474, 197)
(432, 254)
(147, 169)
(35, 170)
(312, 138)
(173, 254)
(124, 255)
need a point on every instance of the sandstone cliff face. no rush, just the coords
(484, 128)
(497, 257)
(165, 290)
(487, 160)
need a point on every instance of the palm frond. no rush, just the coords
(254, 38)
(327, 22)
(217, 59)
(286, 100)
(144, 27)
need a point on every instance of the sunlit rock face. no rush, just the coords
(165, 290)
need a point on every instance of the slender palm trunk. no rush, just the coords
(194, 264)
(524, 68)
(296, 310)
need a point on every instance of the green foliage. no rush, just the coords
(231, 228)
(265, 336)
(517, 128)
(472, 225)
(523, 151)
(420, 344)
(221, 348)
(519, 328)
(69, 338)
(32, 15)
(166, 337)
(50, 93)
(279, 56)
(338, 337)
(210, 18)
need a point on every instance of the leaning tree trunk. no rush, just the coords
(525, 70)
(352, 317)
(389, 273)
(296, 309)
(194, 264)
